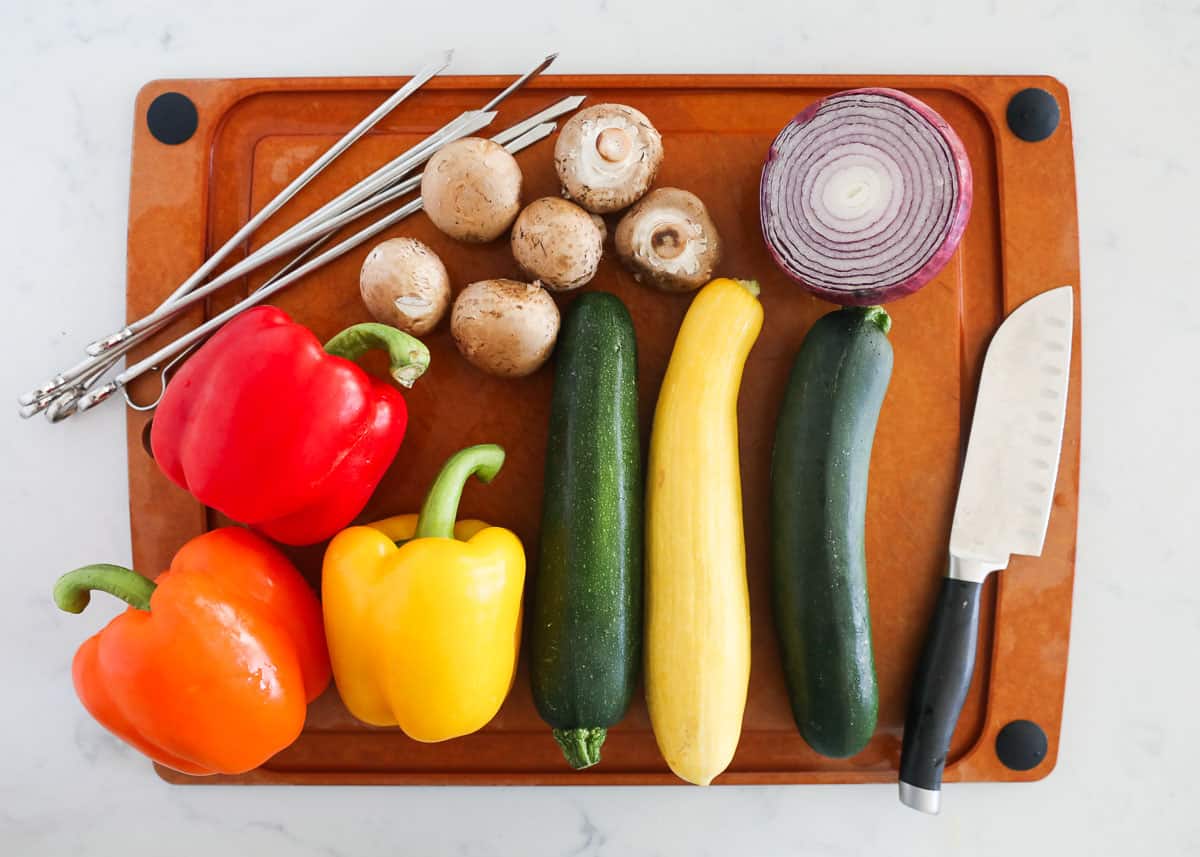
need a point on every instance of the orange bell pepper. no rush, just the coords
(211, 668)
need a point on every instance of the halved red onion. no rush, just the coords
(865, 196)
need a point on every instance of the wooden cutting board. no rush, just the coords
(253, 136)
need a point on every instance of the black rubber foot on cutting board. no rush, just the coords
(1021, 745)
(172, 118)
(1033, 114)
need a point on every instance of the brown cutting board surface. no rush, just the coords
(254, 136)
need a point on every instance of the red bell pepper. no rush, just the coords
(211, 668)
(274, 431)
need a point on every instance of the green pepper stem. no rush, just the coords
(408, 355)
(73, 590)
(581, 746)
(440, 510)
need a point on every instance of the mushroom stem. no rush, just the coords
(667, 241)
(607, 156)
(613, 144)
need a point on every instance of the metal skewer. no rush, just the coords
(464, 125)
(177, 359)
(350, 138)
(82, 375)
(62, 404)
(305, 231)
(60, 397)
(520, 81)
(393, 171)
(357, 199)
(150, 363)
(99, 347)
(296, 236)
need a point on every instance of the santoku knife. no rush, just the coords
(1003, 508)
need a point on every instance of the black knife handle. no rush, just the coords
(938, 692)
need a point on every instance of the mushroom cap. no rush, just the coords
(405, 284)
(602, 226)
(607, 156)
(505, 327)
(557, 242)
(471, 189)
(668, 240)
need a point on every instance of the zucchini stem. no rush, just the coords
(581, 746)
(879, 317)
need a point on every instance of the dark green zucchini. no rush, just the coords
(818, 515)
(586, 621)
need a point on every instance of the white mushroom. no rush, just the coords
(602, 226)
(405, 284)
(505, 327)
(607, 156)
(557, 242)
(471, 189)
(669, 241)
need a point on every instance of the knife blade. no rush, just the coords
(1003, 508)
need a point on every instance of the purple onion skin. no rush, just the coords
(885, 293)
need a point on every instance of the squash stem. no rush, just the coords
(440, 509)
(73, 591)
(581, 746)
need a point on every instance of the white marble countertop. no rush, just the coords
(1126, 780)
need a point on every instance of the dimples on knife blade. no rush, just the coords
(1007, 487)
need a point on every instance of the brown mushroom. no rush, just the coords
(557, 242)
(668, 240)
(405, 284)
(505, 327)
(471, 189)
(607, 156)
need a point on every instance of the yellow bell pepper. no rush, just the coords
(423, 615)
